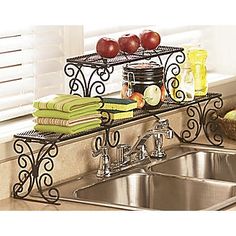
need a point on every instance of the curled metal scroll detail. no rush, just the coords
(203, 118)
(74, 71)
(83, 85)
(36, 170)
(194, 124)
(171, 71)
(211, 127)
(111, 139)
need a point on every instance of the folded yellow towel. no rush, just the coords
(68, 130)
(85, 111)
(61, 122)
(64, 102)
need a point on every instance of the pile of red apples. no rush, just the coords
(127, 43)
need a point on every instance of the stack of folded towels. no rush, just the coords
(68, 114)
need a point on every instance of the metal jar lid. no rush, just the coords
(143, 71)
(150, 68)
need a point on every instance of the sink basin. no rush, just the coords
(156, 192)
(200, 164)
(190, 178)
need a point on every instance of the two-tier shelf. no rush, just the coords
(36, 167)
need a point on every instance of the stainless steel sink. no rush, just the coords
(204, 164)
(137, 191)
(158, 192)
(190, 178)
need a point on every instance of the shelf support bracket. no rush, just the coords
(36, 168)
(203, 117)
(109, 139)
(80, 85)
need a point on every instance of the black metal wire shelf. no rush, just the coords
(94, 60)
(201, 114)
(88, 73)
(48, 137)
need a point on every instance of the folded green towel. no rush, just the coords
(68, 130)
(88, 110)
(61, 122)
(64, 102)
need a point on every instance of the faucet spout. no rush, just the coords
(127, 156)
(141, 141)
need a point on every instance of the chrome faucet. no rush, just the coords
(125, 153)
(127, 156)
(104, 169)
(162, 129)
(139, 148)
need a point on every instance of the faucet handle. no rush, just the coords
(142, 153)
(121, 153)
(102, 151)
(104, 169)
(162, 123)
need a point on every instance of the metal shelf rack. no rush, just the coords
(86, 83)
(36, 167)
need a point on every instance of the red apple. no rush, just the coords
(129, 43)
(149, 39)
(107, 47)
(138, 97)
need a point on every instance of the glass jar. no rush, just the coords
(197, 59)
(143, 82)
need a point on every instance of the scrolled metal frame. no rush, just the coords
(78, 80)
(107, 122)
(110, 139)
(203, 118)
(35, 171)
(171, 71)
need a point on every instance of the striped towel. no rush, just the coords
(64, 102)
(85, 111)
(70, 129)
(67, 123)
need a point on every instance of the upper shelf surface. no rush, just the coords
(94, 60)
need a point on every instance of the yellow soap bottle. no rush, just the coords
(197, 59)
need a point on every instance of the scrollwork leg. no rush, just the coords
(194, 124)
(75, 84)
(35, 171)
(210, 126)
(203, 118)
(84, 85)
(171, 71)
(110, 139)
(171, 64)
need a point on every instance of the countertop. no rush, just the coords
(12, 204)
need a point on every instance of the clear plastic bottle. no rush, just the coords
(185, 80)
(197, 59)
(186, 83)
